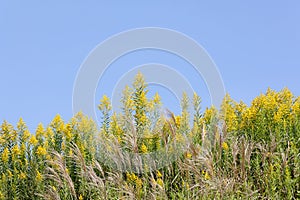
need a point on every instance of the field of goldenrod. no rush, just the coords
(239, 151)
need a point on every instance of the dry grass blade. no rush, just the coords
(58, 173)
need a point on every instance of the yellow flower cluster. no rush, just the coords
(105, 103)
(177, 121)
(33, 140)
(144, 148)
(41, 151)
(225, 146)
(21, 151)
(22, 175)
(158, 174)
(16, 150)
(68, 132)
(156, 99)
(38, 176)
(160, 182)
(26, 135)
(185, 185)
(188, 155)
(39, 133)
(5, 155)
(132, 178)
(206, 175)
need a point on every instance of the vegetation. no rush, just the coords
(238, 152)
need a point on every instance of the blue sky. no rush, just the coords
(255, 44)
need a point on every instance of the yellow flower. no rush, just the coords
(104, 103)
(177, 121)
(158, 174)
(160, 182)
(41, 151)
(209, 114)
(70, 152)
(143, 97)
(63, 146)
(185, 184)
(26, 135)
(49, 132)
(57, 124)
(129, 103)
(57, 119)
(21, 124)
(2, 140)
(22, 175)
(131, 177)
(38, 176)
(16, 150)
(138, 183)
(80, 197)
(188, 155)
(225, 146)
(13, 135)
(33, 140)
(5, 155)
(206, 176)
(128, 176)
(23, 148)
(67, 132)
(61, 127)
(142, 118)
(156, 98)
(48, 157)
(119, 139)
(39, 131)
(144, 148)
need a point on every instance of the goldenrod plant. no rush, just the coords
(237, 152)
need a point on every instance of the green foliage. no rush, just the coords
(239, 152)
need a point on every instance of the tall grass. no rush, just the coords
(237, 152)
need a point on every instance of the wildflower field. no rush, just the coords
(237, 152)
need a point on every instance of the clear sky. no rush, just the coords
(255, 44)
